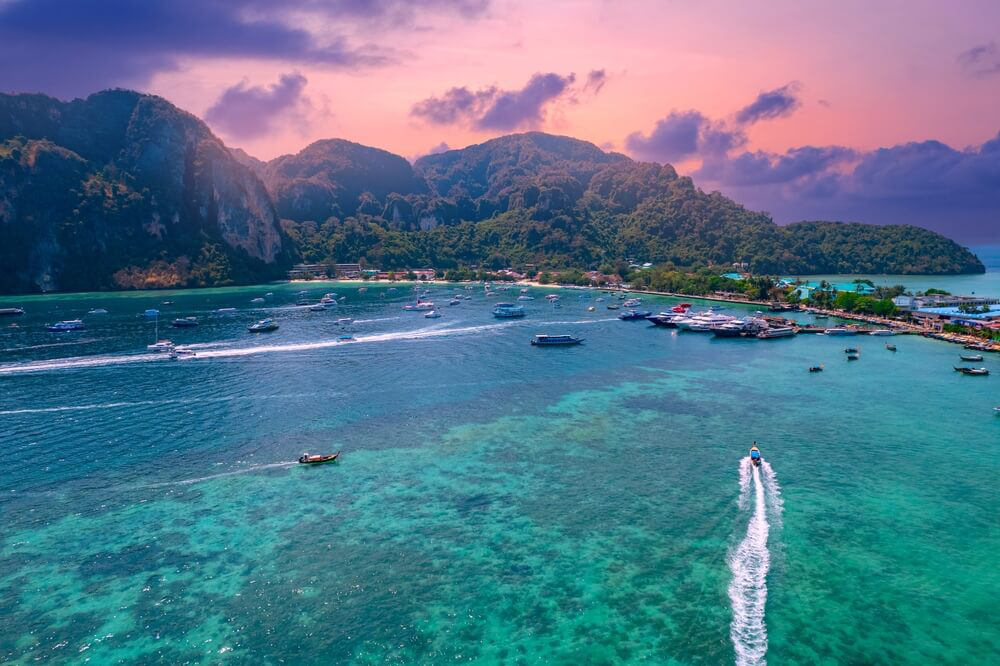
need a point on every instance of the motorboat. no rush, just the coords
(816, 368)
(632, 302)
(257, 301)
(419, 305)
(591, 308)
(853, 357)
(346, 338)
(979, 372)
(664, 320)
(263, 326)
(732, 329)
(628, 315)
(152, 312)
(306, 459)
(433, 314)
(161, 346)
(851, 350)
(776, 332)
(67, 325)
(612, 306)
(891, 347)
(184, 322)
(555, 340)
(755, 455)
(95, 311)
(841, 330)
(10, 312)
(971, 357)
(508, 311)
(552, 297)
(882, 331)
(225, 310)
(454, 301)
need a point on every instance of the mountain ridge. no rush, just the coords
(125, 190)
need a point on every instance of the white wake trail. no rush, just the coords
(749, 565)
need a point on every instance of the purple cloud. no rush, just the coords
(495, 109)
(595, 81)
(760, 168)
(246, 112)
(74, 47)
(770, 104)
(981, 60)
(683, 134)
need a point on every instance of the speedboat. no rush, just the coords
(555, 340)
(63, 326)
(306, 459)
(816, 368)
(627, 315)
(257, 300)
(433, 314)
(263, 326)
(19, 311)
(161, 346)
(971, 357)
(346, 338)
(525, 297)
(184, 322)
(851, 350)
(507, 311)
(755, 455)
(853, 357)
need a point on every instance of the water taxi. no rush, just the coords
(555, 340)
(63, 326)
(306, 459)
(263, 326)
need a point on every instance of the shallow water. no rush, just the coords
(495, 502)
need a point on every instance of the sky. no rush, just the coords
(870, 112)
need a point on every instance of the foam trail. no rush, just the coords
(749, 564)
(247, 470)
(775, 504)
(174, 401)
(746, 476)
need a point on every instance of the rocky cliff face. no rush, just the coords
(125, 190)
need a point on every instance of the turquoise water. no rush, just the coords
(495, 502)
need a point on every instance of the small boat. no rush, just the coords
(853, 357)
(612, 306)
(971, 357)
(345, 338)
(263, 326)
(628, 315)
(851, 350)
(882, 331)
(454, 301)
(978, 372)
(10, 312)
(97, 311)
(161, 346)
(257, 300)
(226, 310)
(591, 308)
(555, 340)
(63, 326)
(269, 294)
(184, 322)
(318, 307)
(632, 302)
(525, 297)
(816, 368)
(997, 410)
(891, 347)
(841, 330)
(152, 312)
(306, 459)
(755, 455)
(419, 305)
(344, 321)
(433, 314)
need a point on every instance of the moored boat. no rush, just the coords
(978, 372)
(971, 357)
(776, 332)
(555, 340)
(891, 347)
(507, 311)
(64, 326)
(306, 459)
(841, 330)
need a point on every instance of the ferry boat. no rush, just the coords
(776, 332)
(10, 312)
(184, 322)
(555, 340)
(755, 455)
(841, 330)
(508, 311)
(63, 326)
(263, 326)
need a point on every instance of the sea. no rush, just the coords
(494, 502)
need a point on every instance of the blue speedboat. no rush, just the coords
(634, 314)
(507, 311)
(755, 455)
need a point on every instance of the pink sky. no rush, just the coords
(868, 77)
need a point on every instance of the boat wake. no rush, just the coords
(200, 479)
(750, 561)
(141, 403)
